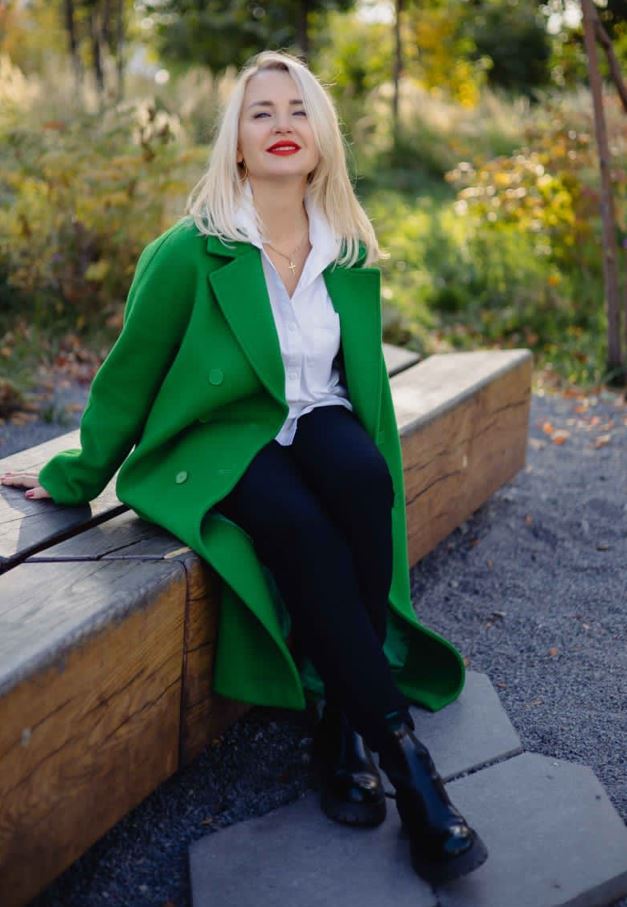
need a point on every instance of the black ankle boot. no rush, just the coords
(443, 846)
(351, 791)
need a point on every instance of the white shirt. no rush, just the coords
(307, 325)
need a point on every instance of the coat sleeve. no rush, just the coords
(157, 309)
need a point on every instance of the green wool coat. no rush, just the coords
(192, 389)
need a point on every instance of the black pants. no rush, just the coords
(319, 514)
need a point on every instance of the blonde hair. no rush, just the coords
(213, 201)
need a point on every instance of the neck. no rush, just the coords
(283, 211)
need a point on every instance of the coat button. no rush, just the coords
(216, 376)
(181, 477)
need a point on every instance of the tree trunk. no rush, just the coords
(119, 50)
(615, 365)
(398, 69)
(70, 27)
(303, 28)
(96, 50)
(604, 39)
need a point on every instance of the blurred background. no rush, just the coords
(470, 133)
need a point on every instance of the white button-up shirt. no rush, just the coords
(307, 325)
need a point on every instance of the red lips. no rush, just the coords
(284, 147)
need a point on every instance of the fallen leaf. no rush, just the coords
(490, 564)
(547, 428)
(528, 519)
(553, 651)
(602, 440)
(560, 436)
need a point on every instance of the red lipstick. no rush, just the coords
(284, 148)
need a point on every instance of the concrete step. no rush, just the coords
(468, 734)
(553, 836)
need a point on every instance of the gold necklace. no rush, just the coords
(292, 264)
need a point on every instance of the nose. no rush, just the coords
(282, 122)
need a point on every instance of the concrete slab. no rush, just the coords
(295, 856)
(468, 733)
(553, 836)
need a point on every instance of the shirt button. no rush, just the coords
(216, 376)
(181, 477)
(292, 327)
(293, 374)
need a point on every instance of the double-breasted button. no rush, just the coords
(216, 376)
(181, 477)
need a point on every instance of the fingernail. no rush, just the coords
(29, 494)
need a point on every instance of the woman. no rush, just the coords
(249, 376)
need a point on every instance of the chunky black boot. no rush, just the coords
(351, 791)
(443, 846)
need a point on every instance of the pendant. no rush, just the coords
(292, 266)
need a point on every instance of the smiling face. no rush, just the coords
(272, 114)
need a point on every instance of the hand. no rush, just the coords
(28, 480)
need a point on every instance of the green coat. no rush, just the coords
(192, 389)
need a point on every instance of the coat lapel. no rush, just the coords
(240, 288)
(355, 297)
(355, 294)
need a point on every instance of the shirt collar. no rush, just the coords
(325, 244)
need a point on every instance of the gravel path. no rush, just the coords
(532, 590)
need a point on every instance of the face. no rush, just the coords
(273, 112)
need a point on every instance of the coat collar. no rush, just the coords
(355, 295)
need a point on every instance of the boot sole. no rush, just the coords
(366, 815)
(453, 867)
(357, 814)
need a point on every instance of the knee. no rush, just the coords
(368, 478)
(299, 530)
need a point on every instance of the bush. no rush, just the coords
(81, 197)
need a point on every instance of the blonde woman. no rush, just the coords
(247, 403)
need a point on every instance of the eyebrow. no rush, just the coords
(271, 103)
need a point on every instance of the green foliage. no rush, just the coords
(435, 133)
(512, 257)
(442, 54)
(351, 56)
(513, 36)
(224, 33)
(81, 197)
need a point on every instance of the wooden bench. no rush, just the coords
(108, 623)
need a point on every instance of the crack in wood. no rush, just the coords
(448, 475)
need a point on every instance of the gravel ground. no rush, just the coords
(532, 590)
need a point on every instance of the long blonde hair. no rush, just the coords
(213, 201)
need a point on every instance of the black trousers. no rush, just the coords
(319, 514)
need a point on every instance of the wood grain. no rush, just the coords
(465, 436)
(87, 737)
